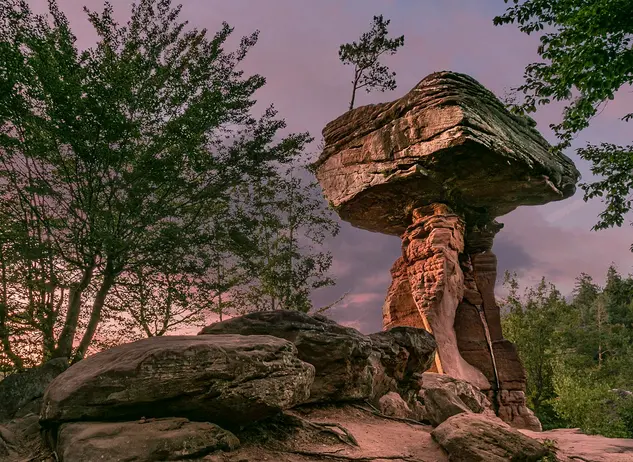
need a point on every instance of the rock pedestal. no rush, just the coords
(436, 167)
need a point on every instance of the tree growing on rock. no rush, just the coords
(113, 160)
(587, 51)
(364, 56)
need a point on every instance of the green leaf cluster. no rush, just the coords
(586, 48)
(577, 353)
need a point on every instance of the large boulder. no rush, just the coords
(24, 389)
(141, 441)
(479, 438)
(449, 138)
(444, 396)
(230, 380)
(393, 405)
(405, 351)
(348, 364)
(401, 354)
(340, 355)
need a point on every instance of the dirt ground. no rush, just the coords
(382, 440)
(349, 433)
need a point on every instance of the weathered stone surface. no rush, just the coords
(348, 365)
(436, 167)
(513, 409)
(230, 380)
(471, 396)
(22, 389)
(399, 355)
(431, 248)
(449, 137)
(405, 351)
(340, 355)
(141, 441)
(8, 442)
(393, 405)
(479, 438)
(444, 396)
(440, 404)
(399, 308)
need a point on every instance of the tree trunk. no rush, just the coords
(48, 325)
(357, 75)
(4, 315)
(65, 344)
(351, 103)
(109, 277)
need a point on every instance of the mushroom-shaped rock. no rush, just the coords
(436, 167)
(448, 140)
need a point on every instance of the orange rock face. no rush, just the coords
(439, 286)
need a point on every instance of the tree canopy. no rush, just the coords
(577, 353)
(587, 52)
(122, 168)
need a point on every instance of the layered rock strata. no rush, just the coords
(436, 167)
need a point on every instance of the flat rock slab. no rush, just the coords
(448, 139)
(339, 354)
(146, 441)
(231, 380)
(479, 438)
(573, 444)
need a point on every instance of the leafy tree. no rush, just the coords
(587, 47)
(531, 323)
(114, 159)
(619, 293)
(292, 221)
(578, 361)
(585, 401)
(364, 55)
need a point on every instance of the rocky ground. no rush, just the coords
(379, 439)
(313, 390)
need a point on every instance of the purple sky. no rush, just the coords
(298, 54)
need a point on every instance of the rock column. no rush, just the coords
(430, 250)
(444, 282)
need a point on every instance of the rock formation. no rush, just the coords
(232, 394)
(469, 437)
(436, 167)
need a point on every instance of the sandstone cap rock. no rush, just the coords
(448, 140)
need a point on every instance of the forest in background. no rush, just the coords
(578, 354)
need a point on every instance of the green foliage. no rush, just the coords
(586, 402)
(364, 55)
(587, 51)
(613, 165)
(578, 355)
(531, 324)
(290, 224)
(119, 169)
